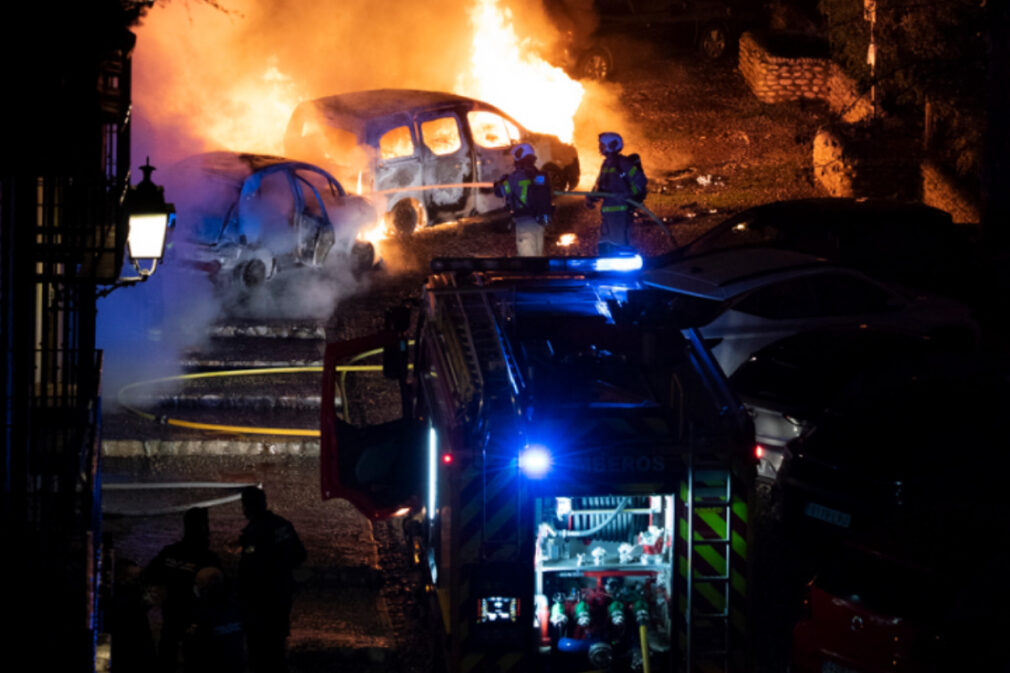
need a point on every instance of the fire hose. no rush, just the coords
(242, 429)
(173, 485)
(547, 528)
(637, 205)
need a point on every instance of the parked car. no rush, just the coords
(788, 385)
(248, 217)
(916, 448)
(870, 612)
(400, 146)
(908, 243)
(768, 294)
(599, 49)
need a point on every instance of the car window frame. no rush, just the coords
(462, 129)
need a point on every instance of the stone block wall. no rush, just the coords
(859, 160)
(777, 79)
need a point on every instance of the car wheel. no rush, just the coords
(714, 42)
(252, 273)
(596, 63)
(406, 217)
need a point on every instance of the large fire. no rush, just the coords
(207, 80)
(256, 113)
(506, 71)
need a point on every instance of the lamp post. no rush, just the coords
(150, 217)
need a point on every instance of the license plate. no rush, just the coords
(832, 667)
(832, 516)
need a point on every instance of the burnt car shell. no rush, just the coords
(396, 144)
(248, 216)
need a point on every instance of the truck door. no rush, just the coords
(376, 467)
(447, 159)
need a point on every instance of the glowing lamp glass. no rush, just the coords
(628, 263)
(146, 236)
(535, 461)
(759, 451)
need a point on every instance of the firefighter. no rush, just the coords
(271, 550)
(528, 194)
(622, 178)
(174, 569)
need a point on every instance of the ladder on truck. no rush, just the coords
(709, 572)
(476, 318)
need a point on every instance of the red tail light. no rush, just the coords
(446, 458)
(759, 451)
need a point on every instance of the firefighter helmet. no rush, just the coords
(611, 143)
(523, 151)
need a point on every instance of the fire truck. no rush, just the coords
(575, 469)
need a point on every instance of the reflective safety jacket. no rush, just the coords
(527, 193)
(623, 176)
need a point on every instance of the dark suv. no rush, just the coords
(596, 49)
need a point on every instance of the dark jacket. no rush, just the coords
(175, 568)
(527, 193)
(622, 176)
(271, 550)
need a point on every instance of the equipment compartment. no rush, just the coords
(604, 581)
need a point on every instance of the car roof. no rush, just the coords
(373, 103)
(724, 274)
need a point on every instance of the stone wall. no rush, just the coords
(940, 191)
(856, 160)
(775, 78)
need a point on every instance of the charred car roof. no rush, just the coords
(374, 103)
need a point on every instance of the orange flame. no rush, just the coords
(256, 112)
(507, 72)
(566, 240)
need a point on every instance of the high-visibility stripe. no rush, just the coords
(712, 559)
(524, 187)
(613, 209)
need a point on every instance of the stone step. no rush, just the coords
(269, 329)
(254, 352)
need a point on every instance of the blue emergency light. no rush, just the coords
(620, 263)
(535, 461)
(616, 264)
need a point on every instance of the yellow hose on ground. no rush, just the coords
(243, 429)
(643, 637)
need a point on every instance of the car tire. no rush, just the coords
(713, 43)
(252, 273)
(406, 217)
(596, 64)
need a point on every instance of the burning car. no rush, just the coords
(427, 157)
(246, 217)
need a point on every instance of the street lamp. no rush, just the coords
(149, 220)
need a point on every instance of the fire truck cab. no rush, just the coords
(578, 469)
